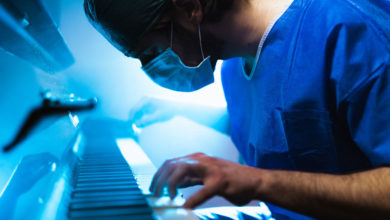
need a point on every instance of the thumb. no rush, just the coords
(200, 197)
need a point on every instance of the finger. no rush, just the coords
(189, 181)
(136, 108)
(162, 180)
(140, 108)
(141, 115)
(166, 164)
(200, 197)
(157, 175)
(177, 177)
(197, 155)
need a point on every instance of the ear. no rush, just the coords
(188, 11)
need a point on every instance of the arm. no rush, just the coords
(364, 107)
(213, 117)
(355, 196)
(360, 195)
(152, 110)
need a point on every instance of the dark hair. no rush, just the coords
(125, 22)
(215, 9)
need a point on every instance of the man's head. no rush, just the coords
(141, 28)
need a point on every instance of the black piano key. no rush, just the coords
(109, 212)
(105, 183)
(103, 180)
(104, 172)
(94, 168)
(107, 198)
(104, 160)
(104, 163)
(134, 203)
(105, 188)
(106, 175)
(115, 152)
(104, 166)
(147, 216)
(103, 169)
(112, 158)
(84, 194)
(128, 186)
(128, 173)
(109, 169)
(106, 179)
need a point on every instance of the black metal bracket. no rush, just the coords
(51, 106)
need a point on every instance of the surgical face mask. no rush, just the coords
(168, 71)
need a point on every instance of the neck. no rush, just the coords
(242, 28)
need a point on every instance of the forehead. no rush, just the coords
(153, 44)
(156, 38)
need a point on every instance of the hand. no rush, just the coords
(152, 110)
(235, 182)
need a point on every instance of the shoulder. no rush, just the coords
(346, 39)
(360, 17)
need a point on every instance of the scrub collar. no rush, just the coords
(261, 44)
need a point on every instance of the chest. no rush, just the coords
(280, 119)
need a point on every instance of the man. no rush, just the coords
(307, 85)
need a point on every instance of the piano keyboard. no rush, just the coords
(105, 187)
(111, 180)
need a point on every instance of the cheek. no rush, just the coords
(191, 57)
(187, 47)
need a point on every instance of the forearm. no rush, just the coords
(213, 117)
(355, 196)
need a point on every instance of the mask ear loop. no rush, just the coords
(171, 42)
(200, 40)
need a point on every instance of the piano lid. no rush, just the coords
(27, 31)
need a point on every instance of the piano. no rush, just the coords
(61, 157)
(102, 174)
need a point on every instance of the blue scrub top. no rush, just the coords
(319, 100)
(320, 97)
